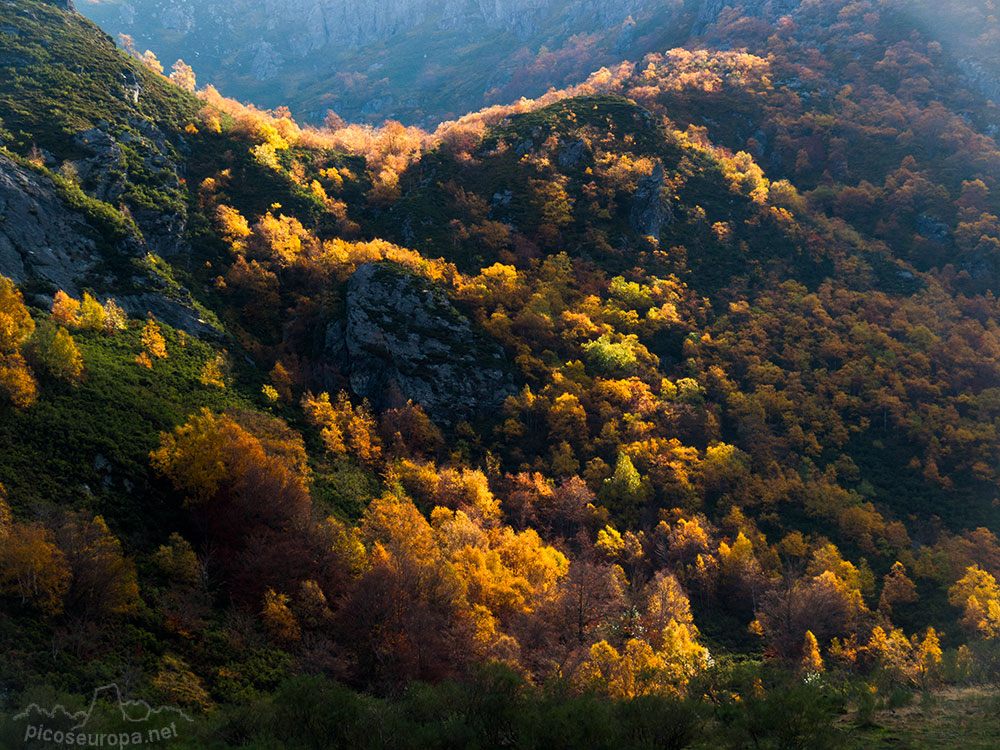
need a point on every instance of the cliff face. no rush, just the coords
(43, 240)
(311, 25)
(39, 237)
(418, 61)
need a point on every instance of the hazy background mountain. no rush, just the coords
(419, 61)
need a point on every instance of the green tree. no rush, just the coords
(625, 491)
(53, 348)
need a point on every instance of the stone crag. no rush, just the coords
(40, 239)
(402, 339)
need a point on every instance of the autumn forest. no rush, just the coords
(659, 410)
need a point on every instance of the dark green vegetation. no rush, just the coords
(742, 494)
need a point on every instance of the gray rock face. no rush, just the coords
(402, 339)
(573, 153)
(650, 213)
(106, 164)
(169, 311)
(980, 78)
(104, 174)
(39, 237)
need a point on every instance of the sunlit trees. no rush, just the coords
(150, 61)
(183, 75)
(249, 490)
(978, 594)
(154, 345)
(16, 327)
(638, 669)
(65, 310)
(908, 661)
(92, 314)
(32, 567)
(343, 427)
(811, 661)
(233, 227)
(53, 348)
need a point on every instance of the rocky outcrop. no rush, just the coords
(106, 173)
(39, 237)
(169, 311)
(42, 240)
(402, 338)
(573, 153)
(650, 212)
(981, 79)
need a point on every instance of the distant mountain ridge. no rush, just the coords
(421, 61)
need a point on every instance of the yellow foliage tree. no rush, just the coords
(91, 314)
(150, 61)
(16, 327)
(33, 568)
(978, 594)
(192, 456)
(233, 227)
(54, 348)
(344, 429)
(811, 662)
(212, 372)
(279, 619)
(667, 603)
(153, 341)
(927, 657)
(639, 670)
(17, 380)
(65, 310)
(183, 76)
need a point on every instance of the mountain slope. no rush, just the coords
(562, 408)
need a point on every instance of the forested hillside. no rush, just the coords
(658, 411)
